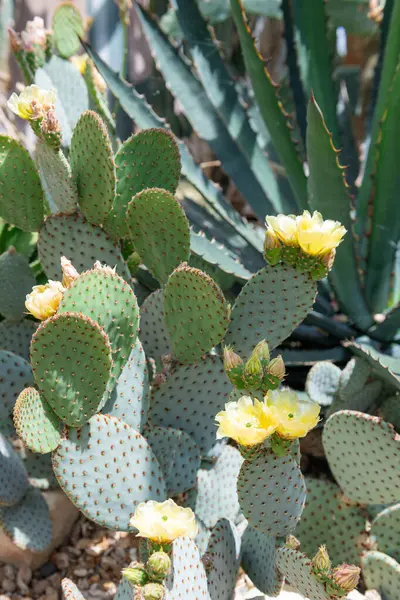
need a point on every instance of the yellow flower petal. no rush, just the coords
(43, 301)
(285, 228)
(246, 421)
(32, 103)
(317, 237)
(295, 417)
(163, 522)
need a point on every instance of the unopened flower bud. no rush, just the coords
(328, 259)
(15, 40)
(158, 566)
(253, 372)
(277, 367)
(50, 123)
(69, 272)
(272, 247)
(153, 591)
(321, 562)
(261, 351)
(99, 267)
(231, 359)
(292, 542)
(136, 574)
(346, 577)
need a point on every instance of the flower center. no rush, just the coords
(164, 518)
(290, 415)
(249, 424)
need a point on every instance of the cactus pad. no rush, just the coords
(13, 478)
(363, 400)
(70, 590)
(129, 399)
(223, 553)
(107, 468)
(216, 494)
(71, 362)
(296, 568)
(385, 530)
(21, 196)
(16, 337)
(55, 174)
(196, 313)
(36, 423)
(149, 159)
(190, 399)
(354, 377)
(17, 280)
(106, 298)
(322, 382)
(15, 375)
(159, 230)
(153, 331)
(178, 455)
(385, 367)
(328, 519)
(390, 411)
(67, 27)
(81, 242)
(189, 575)
(40, 470)
(355, 444)
(125, 591)
(259, 561)
(382, 573)
(93, 168)
(272, 493)
(28, 523)
(270, 306)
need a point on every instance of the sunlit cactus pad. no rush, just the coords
(385, 531)
(323, 382)
(271, 493)
(55, 174)
(259, 561)
(153, 331)
(68, 27)
(331, 520)
(382, 573)
(355, 444)
(71, 362)
(189, 575)
(386, 367)
(296, 568)
(270, 306)
(35, 422)
(196, 313)
(223, 552)
(107, 468)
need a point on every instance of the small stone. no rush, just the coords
(55, 580)
(39, 586)
(51, 594)
(110, 587)
(9, 585)
(9, 571)
(61, 560)
(83, 544)
(47, 569)
(80, 572)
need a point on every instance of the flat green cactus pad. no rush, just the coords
(40, 470)
(106, 298)
(385, 367)
(28, 523)
(21, 196)
(159, 231)
(382, 573)
(71, 362)
(149, 159)
(67, 28)
(16, 336)
(355, 444)
(15, 375)
(153, 330)
(259, 561)
(125, 591)
(270, 306)
(385, 530)
(36, 423)
(190, 399)
(272, 493)
(129, 400)
(107, 468)
(178, 455)
(81, 242)
(362, 401)
(296, 568)
(17, 280)
(189, 575)
(331, 520)
(13, 478)
(70, 590)
(55, 174)
(223, 553)
(390, 411)
(196, 313)
(93, 168)
(354, 377)
(216, 494)
(323, 382)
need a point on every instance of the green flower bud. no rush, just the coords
(158, 566)
(135, 574)
(321, 562)
(153, 591)
(253, 372)
(231, 359)
(277, 367)
(261, 351)
(292, 542)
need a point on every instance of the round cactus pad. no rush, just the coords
(71, 362)
(296, 568)
(149, 159)
(331, 520)
(189, 575)
(196, 313)
(93, 168)
(17, 280)
(223, 552)
(21, 195)
(13, 477)
(385, 530)
(356, 443)
(382, 573)
(35, 422)
(272, 493)
(16, 337)
(323, 382)
(67, 27)
(159, 231)
(107, 468)
(259, 561)
(153, 331)
(270, 306)
(107, 299)
(15, 375)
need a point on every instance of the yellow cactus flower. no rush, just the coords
(295, 417)
(43, 301)
(32, 103)
(163, 522)
(284, 227)
(246, 421)
(317, 237)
